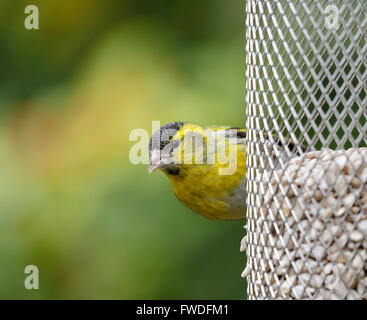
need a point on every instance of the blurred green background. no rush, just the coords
(70, 93)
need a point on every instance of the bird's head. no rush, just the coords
(174, 144)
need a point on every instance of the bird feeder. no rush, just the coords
(306, 95)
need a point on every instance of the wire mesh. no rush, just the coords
(306, 71)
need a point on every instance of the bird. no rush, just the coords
(206, 166)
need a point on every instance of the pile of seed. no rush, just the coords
(307, 228)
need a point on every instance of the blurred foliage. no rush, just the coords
(70, 200)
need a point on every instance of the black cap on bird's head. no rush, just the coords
(159, 142)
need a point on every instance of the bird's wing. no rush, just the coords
(229, 132)
(227, 137)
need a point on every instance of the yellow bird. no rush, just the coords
(206, 167)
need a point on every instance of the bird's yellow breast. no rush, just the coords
(212, 194)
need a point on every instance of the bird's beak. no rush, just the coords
(155, 161)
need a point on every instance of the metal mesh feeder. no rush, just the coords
(306, 70)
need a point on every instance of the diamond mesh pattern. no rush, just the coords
(306, 205)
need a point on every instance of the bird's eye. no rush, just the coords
(170, 137)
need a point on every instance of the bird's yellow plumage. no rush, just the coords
(207, 166)
(201, 186)
(213, 195)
